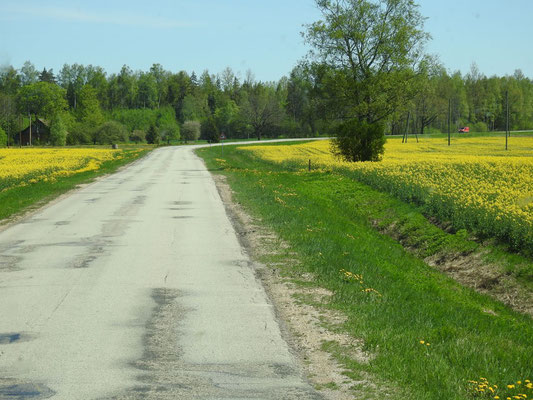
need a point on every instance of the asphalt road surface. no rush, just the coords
(136, 287)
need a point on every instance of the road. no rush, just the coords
(136, 287)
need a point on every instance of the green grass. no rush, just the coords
(18, 199)
(329, 221)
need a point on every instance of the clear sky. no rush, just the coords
(260, 35)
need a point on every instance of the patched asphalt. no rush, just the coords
(136, 287)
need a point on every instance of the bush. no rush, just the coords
(110, 132)
(137, 136)
(80, 134)
(359, 141)
(479, 127)
(190, 130)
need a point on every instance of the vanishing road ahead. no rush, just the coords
(136, 287)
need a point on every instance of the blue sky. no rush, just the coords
(260, 35)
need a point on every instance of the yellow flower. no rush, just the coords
(474, 179)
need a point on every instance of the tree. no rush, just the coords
(226, 117)
(430, 100)
(161, 78)
(152, 136)
(58, 132)
(127, 87)
(72, 78)
(166, 122)
(147, 93)
(89, 111)
(367, 53)
(47, 76)
(9, 80)
(262, 109)
(190, 130)
(42, 98)
(170, 132)
(210, 130)
(28, 74)
(3, 138)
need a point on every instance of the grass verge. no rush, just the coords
(19, 199)
(429, 335)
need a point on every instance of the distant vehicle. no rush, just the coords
(464, 129)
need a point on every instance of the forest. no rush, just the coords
(86, 105)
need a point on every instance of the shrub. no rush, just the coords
(137, 136)
(359, 141)
(479, 127)
(190, 130)
(110, 132)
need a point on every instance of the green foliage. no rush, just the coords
(80, 133)
(359, 141)
(3, 138)
(88, 109)
(261, 109)
(373, 82)
(170, 132)
(327, 221)
(110, 132)
(43, 99)
(318, 93)
(210, 131)
(138, 136)
(58, 132)
(153, 136)
(190, 130)
(134, 119)
(479, 127)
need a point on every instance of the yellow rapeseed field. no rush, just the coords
(20, 167)
(474, 183)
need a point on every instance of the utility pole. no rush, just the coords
(506, 117)
(404, 139)
(29, 115)
(449, 118)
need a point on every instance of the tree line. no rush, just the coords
(367, 74)
(83, 104)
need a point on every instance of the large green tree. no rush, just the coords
(262, 109)
(43, 99)
(366, 55)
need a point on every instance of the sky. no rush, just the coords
(258, 35)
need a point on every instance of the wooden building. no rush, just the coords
(40, 133)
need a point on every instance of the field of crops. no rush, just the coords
(20, 167)
(474, 183)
